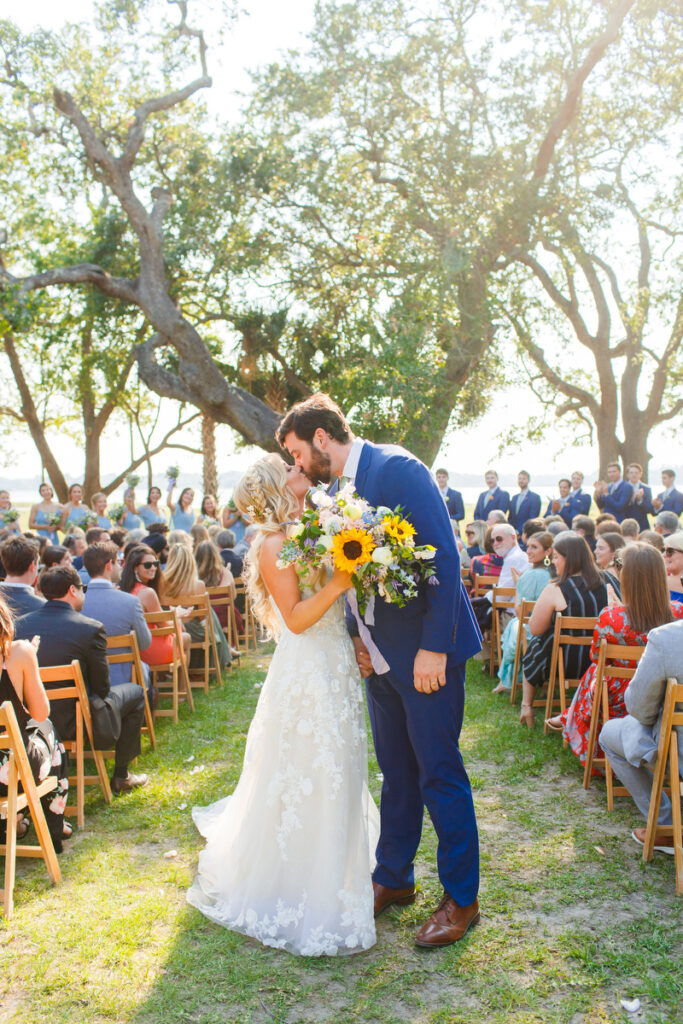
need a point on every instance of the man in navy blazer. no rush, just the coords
(525, 505)
(641, 503)
(614, 494)
(413, 660)
(493, 498)
(670, 500)
(117, 611)
(20, 558)
(453, 499)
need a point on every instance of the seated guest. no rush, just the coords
(453, 499)
(488, 564)
(159, 545)
(119, 536)
(213, 573)
(20, 561)
(646, 605)
(529, 587)
(136, 534)
(585, 527)
(180, 537)
(491, 498)
(667, 523)
(673, 559)
(554, 529)
(608, 526)
(524, 505)
(141, 576)
(118, 611)
(75, 544)
(580, 589)
(225, 542)
(532, 526)
(608, 522)
(180, 580)
(630, 530)
(199, 535)
(614, 494)
(56, 555)
(549, 520)
(504, 541)
(494, 517)
(20, 684)
(242, 546)
(670, 500)
(640, 506)
(606, 547)
(475, 534)
(630, 743)
(95, 535)
(67, 635)
(653, 538)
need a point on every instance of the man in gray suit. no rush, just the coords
(118, 612)
(631, 742)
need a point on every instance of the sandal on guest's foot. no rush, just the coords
(68, 831)
(554, 723)
(527, 715)
(23, 827)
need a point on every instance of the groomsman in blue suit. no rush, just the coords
(525, 505)
(670, 500)
(614, 494)
(493, 498)
(413, 661)
(453, 499)
(572, 501)
(641, 503)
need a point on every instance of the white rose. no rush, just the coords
(353, 511)
(383, 556)
(425, 555)
(333, 525)
(325, 541)
(297, 530)
(322, 499)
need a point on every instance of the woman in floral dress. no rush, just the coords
(646, 605)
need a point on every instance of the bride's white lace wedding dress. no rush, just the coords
(289, 854)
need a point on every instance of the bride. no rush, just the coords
(288, 857)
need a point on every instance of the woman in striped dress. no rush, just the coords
(579, 590)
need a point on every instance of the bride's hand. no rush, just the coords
(343, 580)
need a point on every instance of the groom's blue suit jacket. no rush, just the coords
(440, 618)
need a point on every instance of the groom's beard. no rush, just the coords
(319, 468)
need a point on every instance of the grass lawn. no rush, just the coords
(572, 920)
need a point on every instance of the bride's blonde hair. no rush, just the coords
(263, 497)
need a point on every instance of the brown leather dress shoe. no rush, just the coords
(385, 898)
(448, 924)
(663, 843)
(128, 784)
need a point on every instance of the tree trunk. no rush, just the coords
(91, 480)
(210, 472)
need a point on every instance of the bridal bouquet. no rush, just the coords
(375, 545)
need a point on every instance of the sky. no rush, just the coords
(269, 27)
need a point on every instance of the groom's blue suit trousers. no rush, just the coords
(416, 739)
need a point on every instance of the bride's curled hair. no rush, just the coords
(263, 497)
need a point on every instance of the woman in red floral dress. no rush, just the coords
(646, 604)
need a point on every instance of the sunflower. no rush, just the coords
(400, 529)
(352, 548)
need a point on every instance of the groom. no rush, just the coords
(413, 659)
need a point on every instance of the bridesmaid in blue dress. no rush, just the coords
(99, 505)
(75, 512)
(182, 516)
(8, 524)
(39, 516)
(151, 513)
(131, 520)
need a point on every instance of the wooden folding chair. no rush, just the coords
(667, 759)
(200, 611)
(20, 774)
(483, 583)
(248, 640)
(123, 650)
(525, 610)
(564, 637)
(167, 623)
(76, 691)
(502, 599)
(604, 670)
(224, 597)
(466, 577)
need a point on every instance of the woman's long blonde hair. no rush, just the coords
(263, 497)
(180, 575)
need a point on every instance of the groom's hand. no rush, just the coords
(362, 657)
(429, 671)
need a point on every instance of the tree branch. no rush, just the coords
(81, 273)
(567, 110)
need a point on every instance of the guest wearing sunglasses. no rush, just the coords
(504, 541)
(141, 576)
(673, 559)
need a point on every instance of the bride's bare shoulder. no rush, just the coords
(271, 546)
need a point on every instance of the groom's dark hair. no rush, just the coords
(318, 411)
